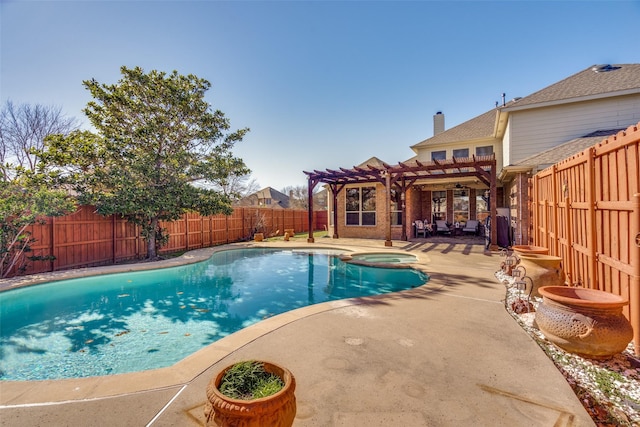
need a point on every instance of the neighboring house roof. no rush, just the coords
(277, 198)
(373, 161)
(556, 154)
(592, 83)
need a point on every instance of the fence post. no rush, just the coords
(555, 207)
(186, 230)
(52, 237)
(113, 237)
(533, 215)
(545, 224)
(569, 259)
(634, 260)
(211, 233)
(592, 239)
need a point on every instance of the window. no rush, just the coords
(461, 153)
(484, 151)
(482, 205)
(438, 155)
(460, 206)
(396, 208)
(439, 205)
(360, 206)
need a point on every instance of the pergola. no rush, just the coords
(401, 177)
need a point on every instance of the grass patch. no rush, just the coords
(249, 380)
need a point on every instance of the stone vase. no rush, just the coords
(542, 270)
(584, 321)
(530, 249)
(277, 410)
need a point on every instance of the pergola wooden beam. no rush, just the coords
(481, 167)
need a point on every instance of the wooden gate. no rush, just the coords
(586, 209)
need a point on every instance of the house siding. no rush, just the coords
(536, 130)
(506, 148)
(424, 154)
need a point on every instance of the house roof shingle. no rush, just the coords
(556, 154)
(481, 126)
(616, 78)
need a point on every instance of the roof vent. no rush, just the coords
(603, 68)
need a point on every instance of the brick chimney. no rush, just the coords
(438, 123)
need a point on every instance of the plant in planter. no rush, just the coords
(249, 380)
(251, 393)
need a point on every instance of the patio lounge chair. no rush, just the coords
(420, 228)
(471, 226)
(442, 227)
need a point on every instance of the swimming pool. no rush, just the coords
(135, 321)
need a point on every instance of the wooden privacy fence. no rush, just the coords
(586, 209)
(86, 238)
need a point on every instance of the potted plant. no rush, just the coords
(251, 393)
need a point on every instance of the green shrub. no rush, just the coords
(249, 380)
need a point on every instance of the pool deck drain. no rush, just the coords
(417, 357)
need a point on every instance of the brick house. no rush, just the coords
(451, 176)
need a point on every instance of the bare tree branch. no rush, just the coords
(23, 129)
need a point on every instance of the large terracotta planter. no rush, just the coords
(529, 249)
(258, 237)
(543, 270)
(277, 410)
(584, 321)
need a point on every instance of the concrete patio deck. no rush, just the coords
(444, 354)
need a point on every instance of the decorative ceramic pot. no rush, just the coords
(543, 270)
(529, 249)
(258, 237)
(584, 321)
(277, 410)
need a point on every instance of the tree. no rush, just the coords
(25, 198)
(156, 136)
(24, 201)
(23, 129)
(234, 186)
(299, 197)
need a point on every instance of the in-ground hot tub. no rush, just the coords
(381, 259)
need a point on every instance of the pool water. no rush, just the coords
(135, 321)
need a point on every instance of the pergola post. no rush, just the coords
(334, 192)
(493, 207)
(310, 186)
(387, 179)
(403, 191)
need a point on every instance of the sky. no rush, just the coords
(320, 84)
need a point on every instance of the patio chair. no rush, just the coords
(428, 228)
(442, 227)
(471, 226)
(420, 228)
